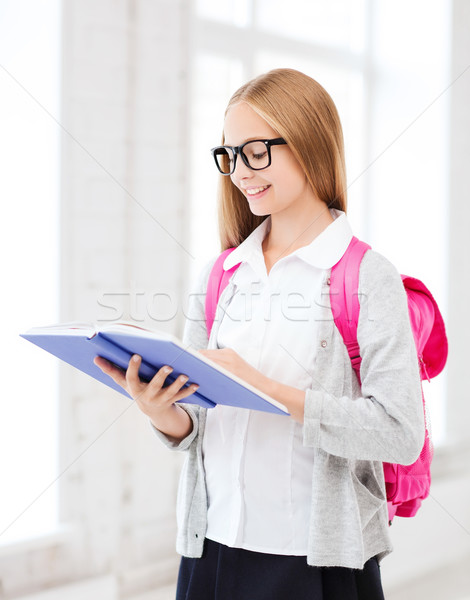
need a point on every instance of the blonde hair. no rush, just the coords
(303, 113)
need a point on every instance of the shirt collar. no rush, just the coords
(323, 252)
(250, 247)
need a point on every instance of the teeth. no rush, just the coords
(257, 190)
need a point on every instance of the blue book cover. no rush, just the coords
(78, 344)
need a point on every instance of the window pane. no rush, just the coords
(233, 12)
(332, 23)
(29, 155)
(409, 179)
(215, 78)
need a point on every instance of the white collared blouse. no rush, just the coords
(258, 471)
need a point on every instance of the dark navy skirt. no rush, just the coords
(224, 573)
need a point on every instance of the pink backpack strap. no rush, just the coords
(218, 280)
(344, 283)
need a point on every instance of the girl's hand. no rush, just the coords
(153, 399)
(292, 398)
(233, 362)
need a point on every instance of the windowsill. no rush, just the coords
(63, 534)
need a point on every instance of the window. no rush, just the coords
(380, 87)
(29, 243)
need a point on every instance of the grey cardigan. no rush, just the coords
(352, 429)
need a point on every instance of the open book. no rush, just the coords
(77, 344)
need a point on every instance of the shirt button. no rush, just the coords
(323, 344)
(328, 281)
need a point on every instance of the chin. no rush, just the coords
(259, 212)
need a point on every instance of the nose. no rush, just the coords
(241, 170)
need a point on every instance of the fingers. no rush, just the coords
(185, 392)
(129, 380)
(173, 392)
(157, 381)
(154, 389)
(142, 391)
(132, 376)
(175, 387)
(109, 369)
(177, 391)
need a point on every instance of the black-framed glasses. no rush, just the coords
(256, 154)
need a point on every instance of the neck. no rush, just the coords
(289, 232)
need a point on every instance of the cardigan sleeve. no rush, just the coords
(386, 423)
(196, 336)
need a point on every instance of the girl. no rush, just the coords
(273, 507)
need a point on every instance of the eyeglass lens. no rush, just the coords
(256, 154)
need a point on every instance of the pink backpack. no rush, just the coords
(408, 485)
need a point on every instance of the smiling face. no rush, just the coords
(280, 187)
